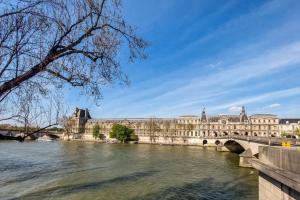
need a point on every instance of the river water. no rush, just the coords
(77, 170)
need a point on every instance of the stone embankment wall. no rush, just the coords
(176, 140)
(279, 173)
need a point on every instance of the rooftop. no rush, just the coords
(289, 121)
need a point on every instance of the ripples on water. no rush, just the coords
(74, 170)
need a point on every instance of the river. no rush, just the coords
(78, 170)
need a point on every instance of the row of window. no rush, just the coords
(254, 120)
(265, 120)
(192, 134)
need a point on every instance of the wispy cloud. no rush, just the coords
(246, 71)
(261, 98)
(274, 105)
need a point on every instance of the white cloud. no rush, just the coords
(187, 90)
(261, 98)
(268, 62)
(274, 105)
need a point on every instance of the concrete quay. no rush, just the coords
(279, 173)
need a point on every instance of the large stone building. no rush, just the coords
(181, 129)
(289, 126)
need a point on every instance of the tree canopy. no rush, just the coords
(47, 45)
(96, 131)
(122, 133)
(73, 41)
(297, 132)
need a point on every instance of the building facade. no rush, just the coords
(289, 127)
(182, 128)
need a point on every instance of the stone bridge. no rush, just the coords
(246, 146)
(15, 133)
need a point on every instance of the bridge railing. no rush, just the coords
(267, 140)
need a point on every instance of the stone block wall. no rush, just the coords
(270, 189)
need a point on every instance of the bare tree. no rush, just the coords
(67, 124)
(166, 128)
(152, 128)
(167, 125)
(33, 113)
(48, 43)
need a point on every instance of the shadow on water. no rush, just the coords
(59, 191)
(46, 173)
(206, 189)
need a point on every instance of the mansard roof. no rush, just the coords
(243, 115)
(114, 120)
(203, 116)
(234, 119)
(84, 113)
(263, 116)
(289, 121)
(188, 116)
(231, 118)
(81, 113)
(214, 118)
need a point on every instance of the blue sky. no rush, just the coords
(217, 54)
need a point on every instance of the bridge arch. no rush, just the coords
(217, 142)
(234, 146)
(52, 136)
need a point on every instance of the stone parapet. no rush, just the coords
(279, 176)
(284, 158)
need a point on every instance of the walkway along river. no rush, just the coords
(78, 170)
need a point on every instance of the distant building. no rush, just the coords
(289, 126)
(78, 121)
(264, 125)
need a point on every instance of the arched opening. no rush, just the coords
(52, 136)
(255, 134)
(217, 142)
(234, 147)
(204, 142)
(215, 134)
(246, 133)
